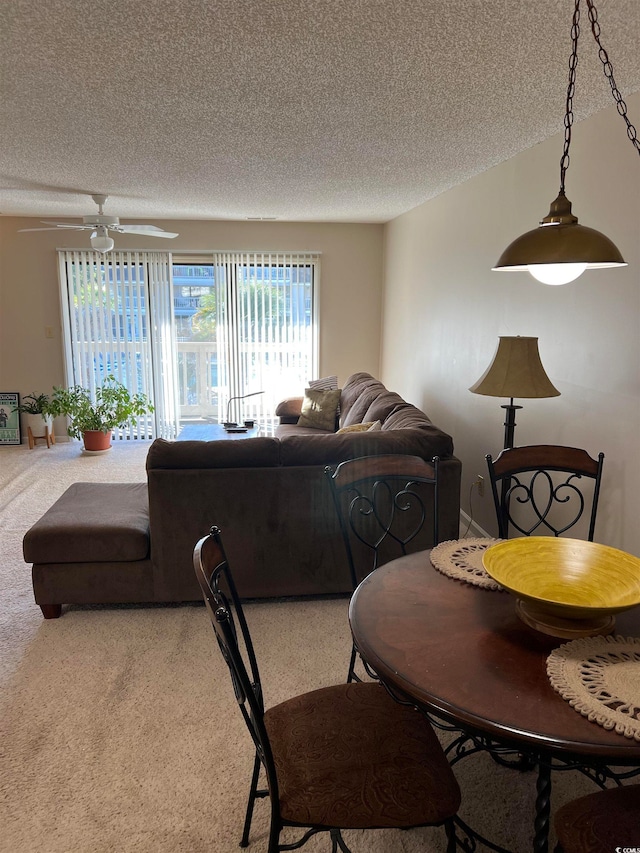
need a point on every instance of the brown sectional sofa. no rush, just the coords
(269, 495)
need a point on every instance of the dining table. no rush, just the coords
(460, 653)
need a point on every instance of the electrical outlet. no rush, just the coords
(480, 482)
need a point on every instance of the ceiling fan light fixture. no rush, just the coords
(100, 225)
(560, 249)
(100, 240)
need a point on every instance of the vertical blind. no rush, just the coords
(266, 327)
(117, 314)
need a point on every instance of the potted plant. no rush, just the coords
(93, 420)
(37, 416)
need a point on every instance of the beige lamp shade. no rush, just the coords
(516, 371)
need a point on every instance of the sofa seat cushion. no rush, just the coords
(92, 522)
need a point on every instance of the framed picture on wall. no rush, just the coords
(9, 418)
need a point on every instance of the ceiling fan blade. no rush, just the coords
(77, 226)
(22, 230)
(148, 230)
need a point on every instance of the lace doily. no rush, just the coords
(600, 678)
(462, 559)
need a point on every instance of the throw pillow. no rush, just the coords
(319, 409)
(375, 426)
(327, 383)
(365, 427)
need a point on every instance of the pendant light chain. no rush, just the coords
(568, 115)
(608, 73)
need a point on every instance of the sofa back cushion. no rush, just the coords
(228, 453)
(330, 449)
(356, 413)
(406, 416)
(384, 404)
(352, 393)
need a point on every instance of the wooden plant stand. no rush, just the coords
(49, 437)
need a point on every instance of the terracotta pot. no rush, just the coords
(96, 440)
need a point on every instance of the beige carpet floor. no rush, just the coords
(118, 728)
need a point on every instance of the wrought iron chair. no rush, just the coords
(600, 822)
(341, 757)
(383, 504)
(539, 488)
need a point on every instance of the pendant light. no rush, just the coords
(560, 250)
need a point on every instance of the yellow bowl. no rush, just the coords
(565, 585)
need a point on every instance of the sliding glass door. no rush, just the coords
(192, 333)
(245, 325)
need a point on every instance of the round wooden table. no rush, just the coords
(461, 652)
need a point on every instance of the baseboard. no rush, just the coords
(474, 531)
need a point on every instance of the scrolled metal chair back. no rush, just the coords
(547, 481)
(383, 502)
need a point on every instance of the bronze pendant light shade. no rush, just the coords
(560, 250)
(559, 242)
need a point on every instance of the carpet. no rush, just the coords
(119, 732)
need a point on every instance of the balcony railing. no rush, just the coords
(186, 303)
(203, 385)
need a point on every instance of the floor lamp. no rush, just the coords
(516, 371)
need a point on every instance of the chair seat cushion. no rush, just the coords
(383, 757)
(600, 822)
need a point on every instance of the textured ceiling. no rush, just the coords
(325, 110)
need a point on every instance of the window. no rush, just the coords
(191, 335)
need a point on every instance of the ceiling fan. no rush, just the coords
(100, 225)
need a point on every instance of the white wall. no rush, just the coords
(350, 298)
(444, 310)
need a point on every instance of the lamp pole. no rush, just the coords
(509, 423)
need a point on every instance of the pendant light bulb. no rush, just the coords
(556, 273)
